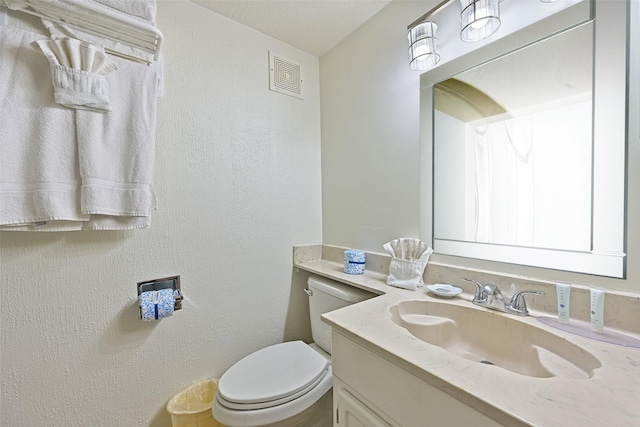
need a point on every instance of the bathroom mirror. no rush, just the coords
(528, 140)
(522, 135)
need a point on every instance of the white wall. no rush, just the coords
(370, 147)
(238, 184)
(370, 129)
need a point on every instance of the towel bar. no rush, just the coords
(119, 27)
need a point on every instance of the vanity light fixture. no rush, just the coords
(479, 19)
(423, 46)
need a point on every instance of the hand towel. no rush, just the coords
(77, 71)
(117, 150)
(39, 172)
(409, 258)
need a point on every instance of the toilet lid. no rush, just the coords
(272, 376)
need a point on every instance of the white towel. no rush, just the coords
(142, 10)
(77, 72)
(58, 30)
(41, 154)
(139, 10)
(39, 174)
(109, 222)
(145, 9)
(117, 150)
(409, 258)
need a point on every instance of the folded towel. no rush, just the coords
(46, 226)
(145, 9)
(97, 14)
(14, 4)
(109, 222)
(77, 71)
(53, 178)
(60, 30)
(409, 258)
(39, 173)
(117, 149)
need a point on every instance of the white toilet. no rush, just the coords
(287, 384)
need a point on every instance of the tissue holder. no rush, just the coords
(354, 261)
(159, 296)
(156, 305)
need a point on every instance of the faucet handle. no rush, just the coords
(480, 294)
(519, 305)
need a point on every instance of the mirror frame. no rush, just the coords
(607, 255)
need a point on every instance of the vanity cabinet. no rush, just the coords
(370, 390)
(351, 412)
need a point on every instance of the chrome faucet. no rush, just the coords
(490, 296)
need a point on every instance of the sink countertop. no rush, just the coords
(608, 398)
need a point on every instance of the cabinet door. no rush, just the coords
(353, 413)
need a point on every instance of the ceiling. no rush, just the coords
(314, 26)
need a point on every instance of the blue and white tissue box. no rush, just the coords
(156, 305)
(354, 261)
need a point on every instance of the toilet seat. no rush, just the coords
(272, 376)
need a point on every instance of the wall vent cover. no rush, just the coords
(285, 76)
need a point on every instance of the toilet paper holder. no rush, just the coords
(172, 282)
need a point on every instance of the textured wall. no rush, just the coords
(238, 184)
(370, 146)
(370, 133)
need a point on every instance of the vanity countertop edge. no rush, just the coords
(609, 397)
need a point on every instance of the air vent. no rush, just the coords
(285, 76)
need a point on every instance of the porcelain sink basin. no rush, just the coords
(494, 338)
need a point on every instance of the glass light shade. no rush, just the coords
(423, 46)
(479, 19)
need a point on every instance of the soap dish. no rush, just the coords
(444, 291)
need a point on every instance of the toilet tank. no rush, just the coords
(328, 295)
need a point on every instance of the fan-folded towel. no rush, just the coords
(77, 72)
(409, 258)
